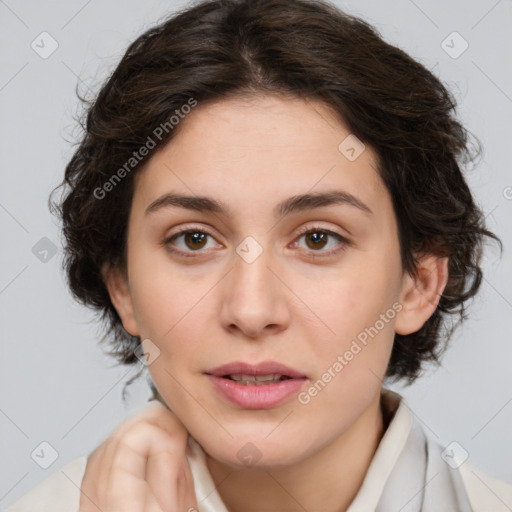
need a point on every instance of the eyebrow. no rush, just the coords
(291, 205)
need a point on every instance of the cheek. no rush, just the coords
(169, 316)
(164, 294)
(355, 317)
(350, 363)
(353, 297)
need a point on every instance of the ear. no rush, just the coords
(421, 294)
(118, 288)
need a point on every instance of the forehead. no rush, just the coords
(264, 149)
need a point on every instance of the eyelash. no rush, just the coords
(308, 230)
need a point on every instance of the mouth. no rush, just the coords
(264, 372)
(261, 386)
(256, 380)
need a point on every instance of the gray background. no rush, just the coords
(57, 386)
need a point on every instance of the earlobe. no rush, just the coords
(421, 293)
(119, 291)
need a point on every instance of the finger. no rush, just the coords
(87, 503)
(171, 423)
(111, 457)
(139, 444)
(129, 495)
(187, 500)
(160, 415)
(170, 479)
(152, 505)
(110, 448)
(155, 413)
(94, 477)
(171, 464)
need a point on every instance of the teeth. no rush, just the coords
(258, 380)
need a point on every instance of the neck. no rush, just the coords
(328, 481)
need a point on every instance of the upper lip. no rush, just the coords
(263, 368)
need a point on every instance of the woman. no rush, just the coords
(268, 208)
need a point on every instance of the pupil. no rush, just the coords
(197, 239)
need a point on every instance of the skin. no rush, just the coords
(141, 467)
(295, 303)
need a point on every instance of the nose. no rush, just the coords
(254, 299)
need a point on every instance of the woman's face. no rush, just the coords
(312, 284)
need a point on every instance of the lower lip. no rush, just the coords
(257, 396)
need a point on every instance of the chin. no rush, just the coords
(257, 453)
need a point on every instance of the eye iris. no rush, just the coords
(196, 238)
(319, 240)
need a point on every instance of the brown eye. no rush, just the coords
(195, 239)
(189, 241)
(316, 239)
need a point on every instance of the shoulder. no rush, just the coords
(483, 491)
(448, 475)
(486, 492)
(58, 492)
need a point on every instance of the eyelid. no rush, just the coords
(192, 227)
(317, 227)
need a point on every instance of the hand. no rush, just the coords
(141, 467)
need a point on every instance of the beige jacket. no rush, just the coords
(409, 472)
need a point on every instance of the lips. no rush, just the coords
(265, 368)
(256, 386)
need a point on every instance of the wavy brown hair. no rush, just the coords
(305, 49)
